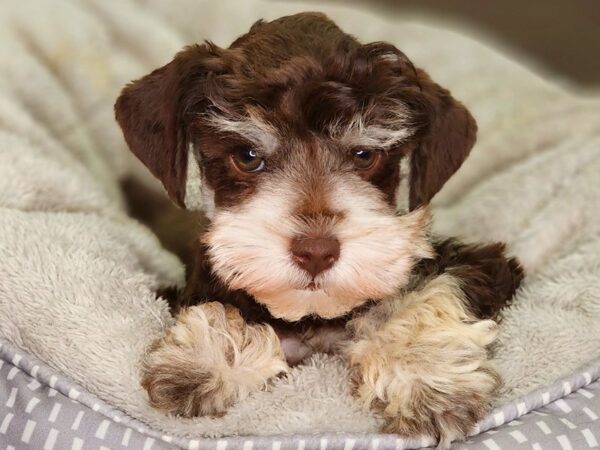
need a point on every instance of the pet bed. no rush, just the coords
(78, 277)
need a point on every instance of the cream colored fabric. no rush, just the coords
(77, 277)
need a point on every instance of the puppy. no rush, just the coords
(314, 158)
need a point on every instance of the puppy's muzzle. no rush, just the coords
(315, 254)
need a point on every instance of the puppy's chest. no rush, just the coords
(300, 339)
(300, 343)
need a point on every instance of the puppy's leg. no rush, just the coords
(421, 361)
(210, 359)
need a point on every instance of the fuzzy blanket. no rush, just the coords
(78, 277)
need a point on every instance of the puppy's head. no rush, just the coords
(314, 157)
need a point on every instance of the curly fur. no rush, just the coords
(209, 360)
(421, 361)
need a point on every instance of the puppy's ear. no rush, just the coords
(444, 144)
(155, 114)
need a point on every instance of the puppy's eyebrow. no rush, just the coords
(383, 134)
(259, 133)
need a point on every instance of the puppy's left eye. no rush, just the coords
(365, 159)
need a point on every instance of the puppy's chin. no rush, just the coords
(294, 304)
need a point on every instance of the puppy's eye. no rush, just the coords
(246, 159)
(365, 159)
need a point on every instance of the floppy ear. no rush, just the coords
(445, 143)
(155, 114)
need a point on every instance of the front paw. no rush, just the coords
(209, 360)
(424, 366)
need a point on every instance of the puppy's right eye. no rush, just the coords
(365, 159)
(246, 159)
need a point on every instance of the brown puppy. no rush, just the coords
(314, 158)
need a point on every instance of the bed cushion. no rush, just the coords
(78, 277)
(41, 408)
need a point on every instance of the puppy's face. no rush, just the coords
(313, 156)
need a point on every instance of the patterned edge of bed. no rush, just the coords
(41, 409)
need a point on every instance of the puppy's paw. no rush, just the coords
(210, 359)
(422, 363)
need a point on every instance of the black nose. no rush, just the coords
(315, 255)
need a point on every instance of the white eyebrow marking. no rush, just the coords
(388, 132)
(259, 133)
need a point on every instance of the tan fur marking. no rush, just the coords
(210, 360)
(193, 181)
(421, 361)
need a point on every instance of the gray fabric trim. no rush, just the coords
(500, 416)
(35, 416)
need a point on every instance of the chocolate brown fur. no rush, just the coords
(488, 277)
(312, 77)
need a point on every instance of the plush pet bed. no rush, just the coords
(78, 277)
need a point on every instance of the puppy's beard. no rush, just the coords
(293, 304)
(249, 249)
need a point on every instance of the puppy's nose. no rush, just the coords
(315, 255)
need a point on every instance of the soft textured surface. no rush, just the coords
(77, 277)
